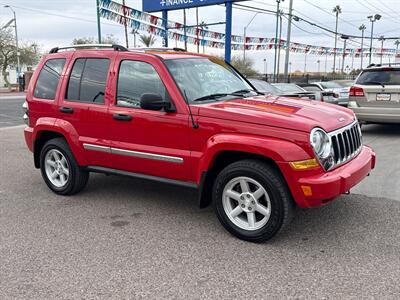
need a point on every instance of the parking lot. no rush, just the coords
(127, 238)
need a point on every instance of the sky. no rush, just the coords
(53, 23)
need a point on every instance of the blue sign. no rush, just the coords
(159, 5)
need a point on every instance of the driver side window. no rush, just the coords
(136, 78)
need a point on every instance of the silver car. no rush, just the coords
(375, 96)
(341, 94)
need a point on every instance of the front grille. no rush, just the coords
(347, 143)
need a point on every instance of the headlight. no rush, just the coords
(322, 146)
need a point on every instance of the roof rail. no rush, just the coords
(89, 46)
(160, 49)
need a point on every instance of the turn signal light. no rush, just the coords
(304, 164)
(307, 190)
(356, 91)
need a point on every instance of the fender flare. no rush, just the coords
(63, 128)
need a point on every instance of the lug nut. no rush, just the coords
(248, 196)
(241, 198)
(242, 205)
(250, 208)
(253, 202)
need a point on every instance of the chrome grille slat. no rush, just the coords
(347, 143)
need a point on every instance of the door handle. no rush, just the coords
(122, 117)
(66, 110)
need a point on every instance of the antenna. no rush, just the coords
(194, 124)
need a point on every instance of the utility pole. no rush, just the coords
(244, 36)
(125, 24)
(289, 30)
(279, 46)
(345, 38)
(337, 10)
(134, 32)
(98, 21)
(319, 70)
(184, 29)
(382, 39)
(276, 36)
(362, 28)
(197, 30)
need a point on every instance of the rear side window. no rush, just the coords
(382, 76)
(48, 79)
(87, 81)
(136, 78)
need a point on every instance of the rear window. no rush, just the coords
(311, 88)
(380, 76)
(87, 82)
(46, 85)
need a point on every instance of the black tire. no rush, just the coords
(77, 178)
(282, 204)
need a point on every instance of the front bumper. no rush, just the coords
(326, 186)
(28, 134)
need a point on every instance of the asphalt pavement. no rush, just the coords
(10, 109)
(123, 238)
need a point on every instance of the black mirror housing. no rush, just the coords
(154, 102)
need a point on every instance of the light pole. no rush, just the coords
(305, 62)
(289, 30)
(397, 43)
(276, 36)
(98, 21)
(244, 36)
(279, 47)
(344, 38)
(134, 32)
(381, 39)
(337, 10)
(373, 19)
(16, 38)
(362, 28)
(266, 69)
(319, 70)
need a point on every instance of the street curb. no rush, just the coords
(12, 127)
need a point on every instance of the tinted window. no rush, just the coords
(49, 77)
(136, 78)
(376, 77)
(88, 80)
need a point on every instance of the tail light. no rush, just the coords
(25, 109)
(356, 91)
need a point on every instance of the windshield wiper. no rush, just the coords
(212, 96)
(374, 82)
(241, 92)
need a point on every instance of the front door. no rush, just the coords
(154, 143)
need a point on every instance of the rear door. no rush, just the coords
(381, 88)
(85, 103)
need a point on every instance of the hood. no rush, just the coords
(282, 112)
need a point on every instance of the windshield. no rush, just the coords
(264, 86)
(289, 88)
(330, 85)
(200, 77)
(382, 76)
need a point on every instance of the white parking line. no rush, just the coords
(12, 127)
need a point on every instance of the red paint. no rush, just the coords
(274, 127)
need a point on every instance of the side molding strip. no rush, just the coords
(141, 176)
(173, 159)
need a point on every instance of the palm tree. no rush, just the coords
(147, 40)
(203, 26)
(397, 43)
(337, 10)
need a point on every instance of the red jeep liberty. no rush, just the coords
(192, 120)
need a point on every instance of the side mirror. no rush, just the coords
(154, 102)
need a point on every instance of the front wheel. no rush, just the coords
(60, 170)
(252, 200)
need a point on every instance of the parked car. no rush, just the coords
(293, 90)
(191, 120)
(344, 82)
(319, 92)
(271, 89)
(340, 93)
(375, 96)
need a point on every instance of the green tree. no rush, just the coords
(108, 39)
(28, 53)
(246, 67)
(147, 40)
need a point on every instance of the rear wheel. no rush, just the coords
(252, 200)
(60, 170)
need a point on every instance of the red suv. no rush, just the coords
(191, 120)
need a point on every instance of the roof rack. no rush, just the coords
(383, 64)
(89, 46)
(160, 49)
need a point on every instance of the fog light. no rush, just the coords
(304, 164)
(307, 191)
